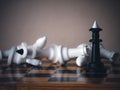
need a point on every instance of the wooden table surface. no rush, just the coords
(55, 77)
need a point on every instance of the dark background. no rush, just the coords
(65, 22)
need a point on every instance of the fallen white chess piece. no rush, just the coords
(24, 53)
(57, 53)
(7, 54)
(60, 54)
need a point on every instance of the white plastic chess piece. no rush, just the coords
(111, 55)
(60, 54)
(7, 54)
(29, 52)
(82, 55)
(1, 56)
(104, 53)
(34, 62)
(56, 53)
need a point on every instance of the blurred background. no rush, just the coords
(64, 22)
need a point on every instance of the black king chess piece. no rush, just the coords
(95, 66)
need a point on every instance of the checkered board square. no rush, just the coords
(50, 72)
(13, 73)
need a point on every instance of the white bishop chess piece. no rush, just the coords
(24, 53)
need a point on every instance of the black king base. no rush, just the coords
(95, 66)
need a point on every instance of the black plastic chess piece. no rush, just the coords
(95, 66)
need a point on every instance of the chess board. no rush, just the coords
(51, 76)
